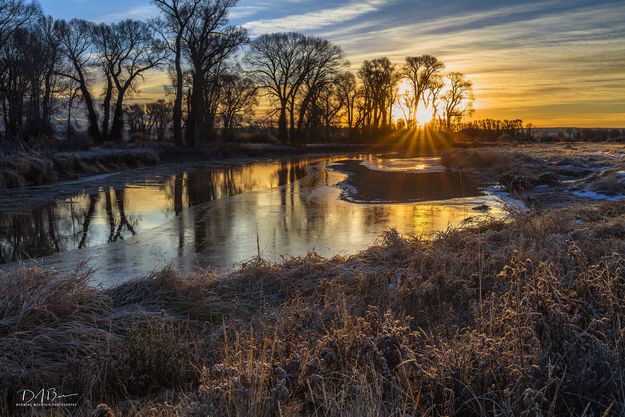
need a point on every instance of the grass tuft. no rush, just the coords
(515, 317)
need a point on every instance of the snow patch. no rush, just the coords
(597, 196)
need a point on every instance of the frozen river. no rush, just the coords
(216, 216)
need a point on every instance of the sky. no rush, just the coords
(554, 63)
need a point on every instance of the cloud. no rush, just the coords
(315, 19)
(139, 13)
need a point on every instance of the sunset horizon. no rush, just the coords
(312, 208)
(551, 64)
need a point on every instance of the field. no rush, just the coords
(515, 316)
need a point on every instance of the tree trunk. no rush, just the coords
(117, 128)
(92, 116)
(106, 107)
(195, 131)
(177, 111)
(283, 135)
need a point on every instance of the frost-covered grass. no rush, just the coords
(516, 317)
(589, 171)
(25, 169)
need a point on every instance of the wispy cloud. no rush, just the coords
(546, 61)
(139, 13)
(315, 19)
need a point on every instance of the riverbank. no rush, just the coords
(520, 316)
(26, 169)
(23, 169)
(548, 175)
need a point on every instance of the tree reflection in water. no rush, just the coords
(108, 213)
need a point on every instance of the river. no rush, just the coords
(197, 215)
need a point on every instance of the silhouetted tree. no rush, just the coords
(291, 68)
(329, 106)
(76, 39)
(128, 49)
(29, 60)
(379, 79)
(458, 98)
(14, 14)
(176, 17)
(322, 63)
(419, 71)
(160, 113)
(208, 42)
(347, 93)
(433, 95)
(238, 98)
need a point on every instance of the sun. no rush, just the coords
(424, 115)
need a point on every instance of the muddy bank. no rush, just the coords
(374, 185)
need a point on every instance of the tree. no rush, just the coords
(76, 40)
(276, 62)
(160, 113)
(15, 14)
(433, 94)
(322, 63)
(329, 106)
(419, 71)
(128, 49)
(177, 15)
(109, 56)
(347, 93)
(208, 42)
(379, 79)
(137, 118)
(29, 59)
(458, 99)
(406, 105)
(291, 68)
(238, 98)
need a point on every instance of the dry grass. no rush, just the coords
(509, 318)
(25, 169)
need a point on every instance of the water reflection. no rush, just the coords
(212, 217)
(106, 214)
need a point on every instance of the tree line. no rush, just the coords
(220, 79)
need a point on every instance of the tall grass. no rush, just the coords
(516, 317)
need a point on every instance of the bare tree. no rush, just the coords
(322, 63)
(348, 94)
(160, 113)
(419, 71)
(275, 60)
(109, 56)
(137, 51)
(29, 60)
(15, 14)
(329, 105)
(177, 15)
(238, 98)
(76, 39)
(433, 95)
(291, 68)
(379, 79)
(406, 105)
(208, 42)
(69, 91)
(138, 118)
(458, 99)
